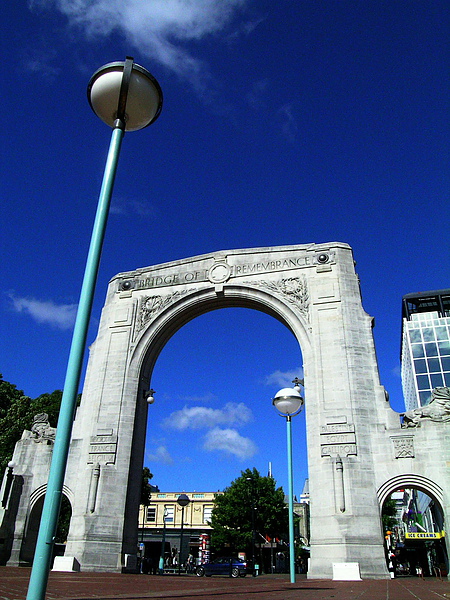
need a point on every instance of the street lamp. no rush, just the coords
(183, 500)
(252, 505)
(288, 402)
(127, 98)
(163, 543)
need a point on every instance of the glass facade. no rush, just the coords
(425, 352)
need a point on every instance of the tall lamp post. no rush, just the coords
(288, 402)
(183, 500)
(127, 98)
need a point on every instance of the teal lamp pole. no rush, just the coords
(288, 402)
(127, 98)
(183, 500)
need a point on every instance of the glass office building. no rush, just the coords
(425, 353)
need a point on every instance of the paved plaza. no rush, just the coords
(114, 586)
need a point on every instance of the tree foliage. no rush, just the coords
(16, 415)
(146, 488)
(388, 514)
(231, 518)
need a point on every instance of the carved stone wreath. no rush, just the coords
(150, 306)
(293, 289)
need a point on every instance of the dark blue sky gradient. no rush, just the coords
(306, 121)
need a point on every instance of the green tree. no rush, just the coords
(231, 517)
(15, 410)
(388, 514)
(65, 515)
(16, 415)
(146, 488)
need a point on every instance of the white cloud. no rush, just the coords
(396, 371)
(123, 206)
(158, 28)
(206, 398)
(61, 316)
(161, 455)
(201, 417)
(41, 61)
(231, 442)
(283, 378)
(288, 121)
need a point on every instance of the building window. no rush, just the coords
(436, 380)
(417, 350)
(431, 349)
(420, 365)
(207, 513)
(198, 495)
(151, 514)
(423, 383)
(444, 347)
(169, 510)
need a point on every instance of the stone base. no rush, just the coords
(346, 572)
(66, 563)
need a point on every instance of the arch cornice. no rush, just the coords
(39, 492)
(410, 480)
(200, 301)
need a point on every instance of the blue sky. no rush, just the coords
(283, 123)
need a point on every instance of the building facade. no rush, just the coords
(168, 530)
(425, 354)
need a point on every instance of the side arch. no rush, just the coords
(33, 519)
(410, 480)
(39, 492)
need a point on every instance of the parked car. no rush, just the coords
(225, 565)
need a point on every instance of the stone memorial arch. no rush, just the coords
(358, 453)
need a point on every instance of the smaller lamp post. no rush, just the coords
(289, 402)
(163, 544)
(252, 506)
(183, 500)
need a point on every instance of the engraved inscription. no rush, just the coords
(342, 450)
(102, 449)
(338, 438)
(171, 278)
(338, 428)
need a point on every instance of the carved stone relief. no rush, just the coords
(403, 447)
(293, 289)
(150, 306)
(437, 410)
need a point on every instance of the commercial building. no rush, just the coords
(416, 541)
(425, 354)
(165, 527)
(180, 530)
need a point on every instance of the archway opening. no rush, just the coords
(212, 417)
(414, 532)
(29, 542)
